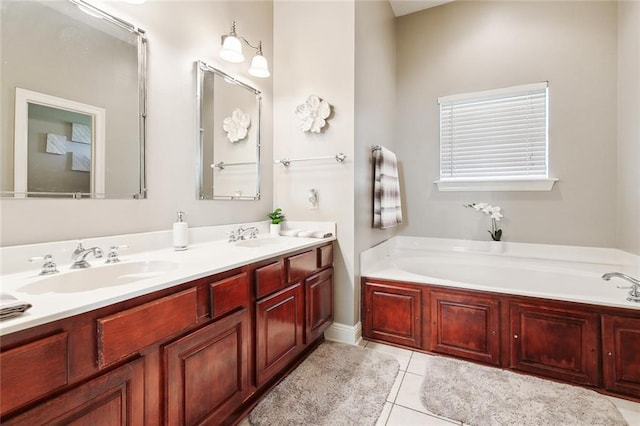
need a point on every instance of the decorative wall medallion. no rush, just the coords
(236, 126)
(313, 113)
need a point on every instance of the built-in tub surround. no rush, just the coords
(566, 273)
(149, 261)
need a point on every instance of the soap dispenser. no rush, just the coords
(180, 233)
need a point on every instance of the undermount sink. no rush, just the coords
(81, 280)
(259, 242)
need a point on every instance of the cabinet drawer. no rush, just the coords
(33, 370)
(325, 256)
(125, 333)
(269, 279)
(301, 265)
(229, 294)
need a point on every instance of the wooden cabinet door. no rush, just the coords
(279, 331)
(114, 398)
(393, 313)
(621, 354)
(207, 371)
(465, 325)
(555, 341)
(319, 300)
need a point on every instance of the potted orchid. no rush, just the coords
(494, 213)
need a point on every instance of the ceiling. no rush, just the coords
(405, 7)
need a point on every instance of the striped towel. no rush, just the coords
(387, 211)
(11, 307)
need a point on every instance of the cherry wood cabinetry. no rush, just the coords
(589, 345)
(279, 329)
(393, 313)
(114, 398)
(621, 354)
(319, 299)
(207, 372)
(201, 352)
(466, 325)
(558, 342)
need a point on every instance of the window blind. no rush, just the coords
(495, 134)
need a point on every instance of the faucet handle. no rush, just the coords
(112, 257)
(232, 236)
(49, 267)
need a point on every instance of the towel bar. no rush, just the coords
(340, 157)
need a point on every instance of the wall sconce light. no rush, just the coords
(232, 52)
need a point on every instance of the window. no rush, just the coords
(495, 139)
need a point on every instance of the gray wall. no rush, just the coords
(629, 126)
(179, 33)
(470, 46)
(375, 103)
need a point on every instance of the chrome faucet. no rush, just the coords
(49, 267)
(634, 293)
(80, 253)
(239, 234)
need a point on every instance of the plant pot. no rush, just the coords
(496, 247)
(274, 229)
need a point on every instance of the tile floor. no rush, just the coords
(403, 406)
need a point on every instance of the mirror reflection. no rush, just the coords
(229, 127)
(73, 102)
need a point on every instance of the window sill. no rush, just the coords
(496, 185)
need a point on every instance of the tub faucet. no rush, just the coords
(80, 253)
(634, 293)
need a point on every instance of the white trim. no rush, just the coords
(493, 92)
(23, 99)
(350, 334)
(496, 185)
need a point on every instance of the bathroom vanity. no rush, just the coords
(201, 351)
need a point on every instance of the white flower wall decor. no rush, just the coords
(313, 114)
(237, 125)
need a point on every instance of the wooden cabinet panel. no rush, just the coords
(207, 372)
(393, 313)
(229, 294)
(33, 370)
(466, 325)
(279, 331)
(319, 300)
(325, 256)
(126, 332)
(555, 341)
(301, 265)
(114, 398)
(621, 354)
(269, 279)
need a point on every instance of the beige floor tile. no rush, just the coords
(402, 355)
(401, 416)
(393, 393)
(630, 410)
(382, 420)
(417, 365)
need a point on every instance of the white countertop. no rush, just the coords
(202, 259)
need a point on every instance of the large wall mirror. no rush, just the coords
(229, 142)
(73, 90)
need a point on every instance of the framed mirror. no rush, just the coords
(229, 136)
(73, 101)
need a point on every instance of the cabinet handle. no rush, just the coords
(515, 336)
(609, 354)
(434, 323)
(493, 332)
(592, 350)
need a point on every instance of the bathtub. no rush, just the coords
(552, 272)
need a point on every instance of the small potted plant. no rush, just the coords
(277, 217)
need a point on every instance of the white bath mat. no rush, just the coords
(479, 395)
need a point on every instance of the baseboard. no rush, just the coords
(350, 334)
